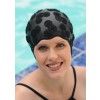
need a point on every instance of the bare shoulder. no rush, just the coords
(80, 69)
(81, 73)
(23, 93)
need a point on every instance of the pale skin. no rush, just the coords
(54, 77)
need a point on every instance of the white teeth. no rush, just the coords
(54, 65)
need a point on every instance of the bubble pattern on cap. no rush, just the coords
(46, 24)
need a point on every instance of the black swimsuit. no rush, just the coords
(44, 98)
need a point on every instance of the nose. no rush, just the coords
(52, 55)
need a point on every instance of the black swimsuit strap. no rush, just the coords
(33, 90)
(72, 96)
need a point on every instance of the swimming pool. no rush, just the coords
(75, 9)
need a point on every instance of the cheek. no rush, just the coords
(66, 54)
(40, 57)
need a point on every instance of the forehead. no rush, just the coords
(52, 41)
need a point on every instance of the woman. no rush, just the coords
(49, 33)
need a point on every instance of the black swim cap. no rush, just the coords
(46, 24)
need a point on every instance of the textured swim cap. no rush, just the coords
(46, 24)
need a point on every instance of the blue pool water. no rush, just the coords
(75, 9)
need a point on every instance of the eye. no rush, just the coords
(43, 48)
(60, 45)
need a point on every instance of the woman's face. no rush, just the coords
(53, 56)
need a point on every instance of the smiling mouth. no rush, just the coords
(54, 67)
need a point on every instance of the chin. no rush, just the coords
(57, 74)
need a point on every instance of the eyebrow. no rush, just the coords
(42, 44)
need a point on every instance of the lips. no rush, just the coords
(54, 66)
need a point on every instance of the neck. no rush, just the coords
(58, 84)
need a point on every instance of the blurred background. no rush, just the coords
(76, 11)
